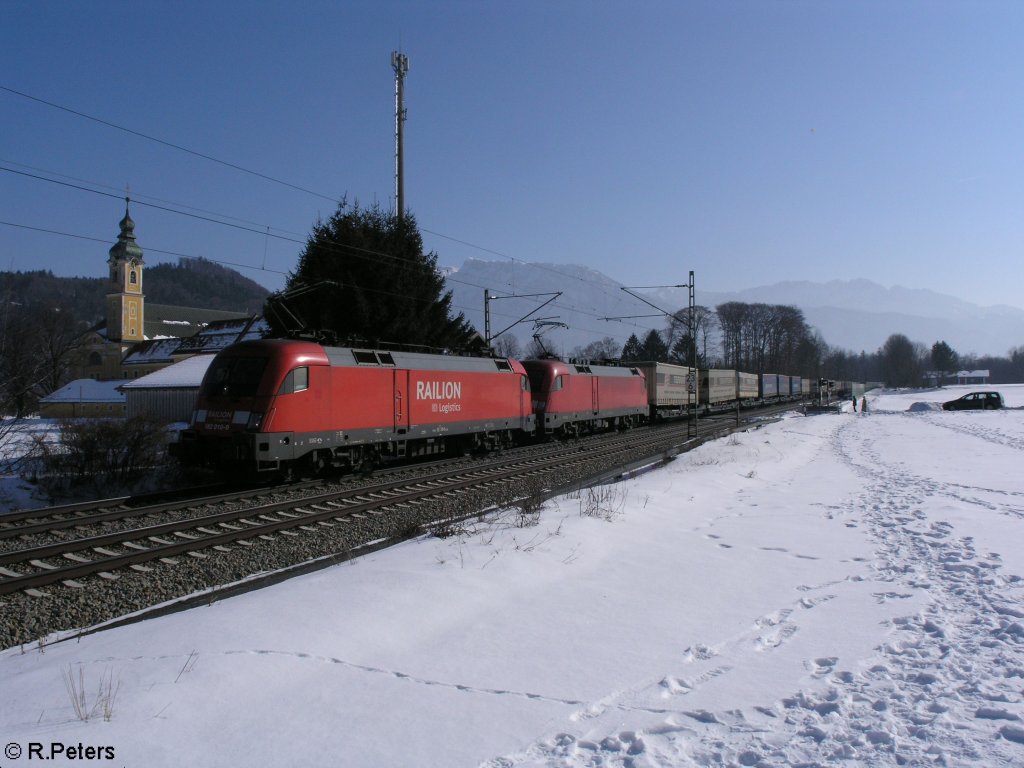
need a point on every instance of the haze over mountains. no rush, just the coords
(856, 315)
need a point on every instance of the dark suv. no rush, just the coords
(975, 400)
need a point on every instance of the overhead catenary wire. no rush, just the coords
(337, 247)
(267, 177)
(265, 230)
(170, 144)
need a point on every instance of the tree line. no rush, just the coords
(772, 338)
(364, 277)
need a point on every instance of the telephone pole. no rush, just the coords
(399, 63)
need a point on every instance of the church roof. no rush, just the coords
(126, 248)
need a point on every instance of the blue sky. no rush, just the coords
(752, 142)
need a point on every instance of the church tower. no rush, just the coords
(125, 300)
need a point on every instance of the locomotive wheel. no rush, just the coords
(320, 463)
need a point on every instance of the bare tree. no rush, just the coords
(681, 338)
(506, 345)
(605, 349)
(731, 320)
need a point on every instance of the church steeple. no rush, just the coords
(125, 301)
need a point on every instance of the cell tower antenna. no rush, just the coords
(399, 63)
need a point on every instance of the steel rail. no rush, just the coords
(344, 502)
(10, 584)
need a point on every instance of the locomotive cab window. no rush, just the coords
(297, 380)
(234, 376)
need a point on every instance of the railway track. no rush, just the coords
(72, 553)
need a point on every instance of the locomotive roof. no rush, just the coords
(361, 358)
(352, 357)
(578, 368)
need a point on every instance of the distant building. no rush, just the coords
(972, 377)
(84, 398)
(168, 394)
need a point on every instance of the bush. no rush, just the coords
(101, 452)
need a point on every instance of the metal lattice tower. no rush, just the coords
(399, 63)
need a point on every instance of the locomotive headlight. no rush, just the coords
(255, 420)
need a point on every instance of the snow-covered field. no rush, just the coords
(837, 589)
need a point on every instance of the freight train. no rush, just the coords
(296, 408)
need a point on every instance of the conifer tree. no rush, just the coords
(631, 350)
(364, 279)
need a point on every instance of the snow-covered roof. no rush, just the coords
(973, 374)
(188, 373)
(217, 335)
(152, 351)
(86, 391)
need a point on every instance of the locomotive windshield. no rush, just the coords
(234, 376)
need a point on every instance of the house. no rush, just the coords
(972, 377)
(84, 398)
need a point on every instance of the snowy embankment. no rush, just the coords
(837, 587)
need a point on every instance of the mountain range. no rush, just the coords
(855, 315)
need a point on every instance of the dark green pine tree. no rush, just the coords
(654, 348)
(631, 351)
(364, 279)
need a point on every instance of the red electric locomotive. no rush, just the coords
(297, 407)
(570, 399)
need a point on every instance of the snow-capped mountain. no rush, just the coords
(850, 314)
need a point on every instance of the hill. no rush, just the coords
(853, 315)
(189, 283)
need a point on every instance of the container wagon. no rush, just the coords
(769, 386)
(671, 389)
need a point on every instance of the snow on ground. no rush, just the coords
(826, 589)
